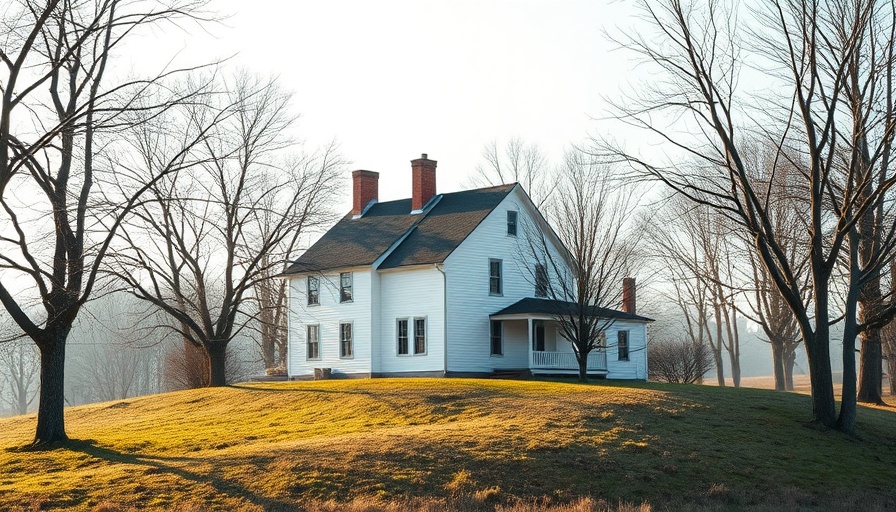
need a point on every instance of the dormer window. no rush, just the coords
(511, 223)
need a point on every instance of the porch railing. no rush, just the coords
(597, 360)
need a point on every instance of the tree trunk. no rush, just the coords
(217, 363)
(720, 365)
(871, 368)
(891, 373)
(789, 362)
(778, 365)
(846, 422)
(583, 366)
(735, 368)
(819, 357)
(51, 410)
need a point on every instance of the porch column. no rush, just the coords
(531, 340)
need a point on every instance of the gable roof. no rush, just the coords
(534, 306)
(431, 236)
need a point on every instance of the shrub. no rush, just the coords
(678, 361)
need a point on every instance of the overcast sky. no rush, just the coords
(393, 79)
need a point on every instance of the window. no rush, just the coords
(345, 340)
(497, 338)
(419, 336)
(494, 277)
(511, 222)
(622, 344)
(313, 340)
(313, 290)
(402, 328)
(541, 281)
(345, 287)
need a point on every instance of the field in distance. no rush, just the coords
(452, 444)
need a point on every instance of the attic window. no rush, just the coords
(511, 222)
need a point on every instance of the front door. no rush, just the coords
(538, 337)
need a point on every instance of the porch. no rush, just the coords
(534, 339)
(543, 362)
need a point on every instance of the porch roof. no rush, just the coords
(533, 307)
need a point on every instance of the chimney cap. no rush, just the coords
(424, 155)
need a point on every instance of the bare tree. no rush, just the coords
(700, 49)
(19, 365)
(186, 366)
(693, 246)
(270, 296)
(198, 249)
(519, 162)
(788, 216)
(682, 361)
(115, 352)
(590, 216)
(61, 109)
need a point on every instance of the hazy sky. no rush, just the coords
(393, 79)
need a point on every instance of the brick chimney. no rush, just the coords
(365, 189)
(423, 181)
(628, 295)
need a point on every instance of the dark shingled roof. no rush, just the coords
(530, 306)
(438, 231)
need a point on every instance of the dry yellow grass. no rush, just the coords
(445, 444)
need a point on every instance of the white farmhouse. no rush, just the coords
(436, 285)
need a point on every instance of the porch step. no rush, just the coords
(511, 373)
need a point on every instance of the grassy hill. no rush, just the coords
(460, 444)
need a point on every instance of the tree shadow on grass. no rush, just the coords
(159, 464)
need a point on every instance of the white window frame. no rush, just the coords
(351, 341)
(500, 277)
(350, 287)
(425, 329)
(512, 224)
(308, 328)
(499, 338)
(316, 296)
(407, 337)
(619, 336)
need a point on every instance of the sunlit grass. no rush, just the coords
(464, 444)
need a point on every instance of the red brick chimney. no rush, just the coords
(628, 295)
(365, 189)
(423, 181)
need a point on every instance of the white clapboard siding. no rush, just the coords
(415, 292)
(636, 366)
(469, 302)
(328, 315)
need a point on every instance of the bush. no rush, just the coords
(678, 361)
